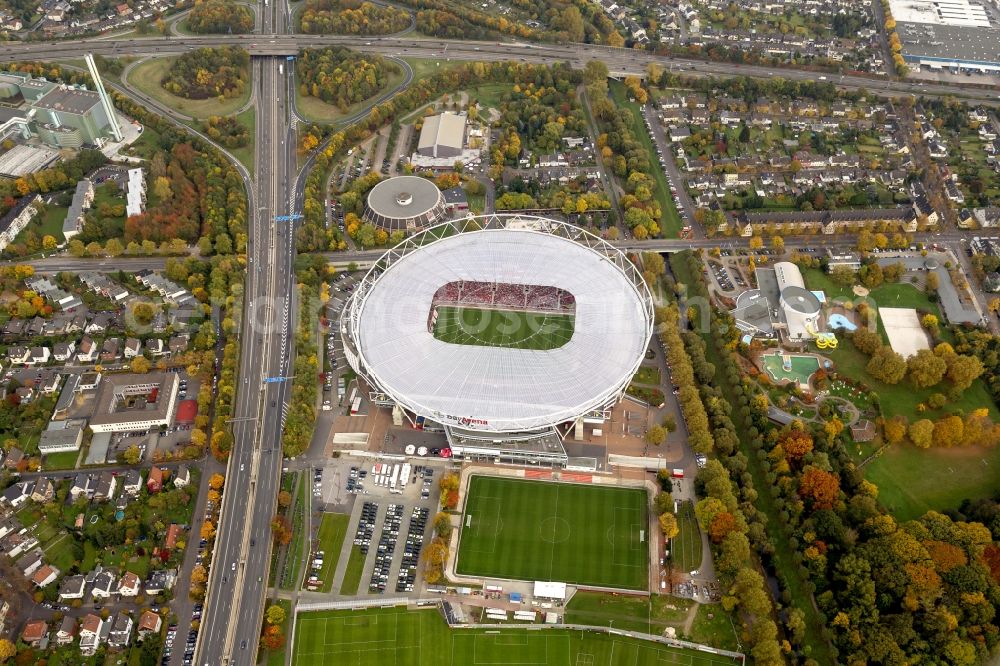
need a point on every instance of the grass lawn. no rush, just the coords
(352, 575)
(530, 530)
(647, 375)
(912, 481)
(245, 154)
(685, 548)
(148, 75)
(62, 552)
(714, 626)
(419, 638)
(670, 221)
(277, 657)
(293, 558)
(316, 110)
(649, 615)
(424, 67)
(903, 398)
(332, 530)
(61, 460)
(489, 94)
(502, 328)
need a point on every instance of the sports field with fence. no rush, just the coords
(549, 531)
(502, 328)
(398, 637)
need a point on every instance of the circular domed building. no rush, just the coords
(409, 203)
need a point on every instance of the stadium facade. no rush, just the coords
(507, 403)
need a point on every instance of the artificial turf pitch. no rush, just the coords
(397, 637)
(541, 530)
(502, 328)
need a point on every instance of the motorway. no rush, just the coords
(620, 61)
(241, 558)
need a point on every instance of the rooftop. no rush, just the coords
(69, 100)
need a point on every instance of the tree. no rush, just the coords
(820, 487)
(929, 321)
(7, 649)
(887, 366)
(964, 370)
(143, 313)
(894, 429)
(662, 503)
(778, 244)
(656, 435)
(706, 510)
(140, 364)
(207, 530)
(931, 284)
(723, 523)
(948, 431)
(275, 614)
(284, 499)
(842, 275)
(796, 443)
(132, 455)
(926, 369)
(668, 525)
(49, 242)
(867, 341)
(921, 433)
(216, 481)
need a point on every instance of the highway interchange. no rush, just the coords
(240, 571)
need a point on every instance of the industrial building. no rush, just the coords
(82, 198)
(135, 193)
(955, 35)
(442, 135)
(780, 304)
(59, 115)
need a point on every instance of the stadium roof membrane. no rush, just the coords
(501, 389)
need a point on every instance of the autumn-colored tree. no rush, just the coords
(833, 427)
(275, 614)
(450, 499)
(281, 529)
(7, 649)
(819, 487)
(887, 366)
(921, 433)
(436, 553)
(723, 523)
(207, 530)
(216, 481)
(946, 556)
(948, 431)
(706, 510)
(796, 443)
(668, 525)
(991, 558)
(894, 429)
(198, 575)
(926, 368)
(273, 638)
(284, 499)
(963, 370)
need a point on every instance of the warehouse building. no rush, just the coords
(442, 135)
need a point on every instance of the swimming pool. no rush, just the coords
(838, 320)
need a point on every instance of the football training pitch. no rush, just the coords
(502, 328)
(397, 637)
(539, 530)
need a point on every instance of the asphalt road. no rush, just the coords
(239, 576)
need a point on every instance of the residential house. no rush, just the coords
(30, 562)
(45, 576)
(183, 477)
(109, 351)
(100, 323)
(34, 632)
(104, 585)
(82, 485)
(107, 483)
(121, 630)
(42, 490)
(178, 344)
(129, 585)
(132, 482)
(149, 623)
(133, 347)
(90, 634)
(161, 580)
(14, 460)
(39, 356)
(16, 495)
(17, 218)
(173, 534)
(72, 588)
(154, 347)
(63, 351)
(88, 351)
(67, 631)
(154, 482)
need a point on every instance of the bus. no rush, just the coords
(355, 406)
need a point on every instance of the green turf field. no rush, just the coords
(539, 530)
(397, 637)
(502, 328)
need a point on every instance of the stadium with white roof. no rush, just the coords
(563, 320)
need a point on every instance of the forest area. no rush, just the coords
(209, 72)
(220, 17)
(342, 77)
(351, 17)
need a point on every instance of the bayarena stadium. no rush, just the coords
(508, 332)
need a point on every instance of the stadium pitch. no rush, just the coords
(502, 328)
(572, 533)
(397, 637)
